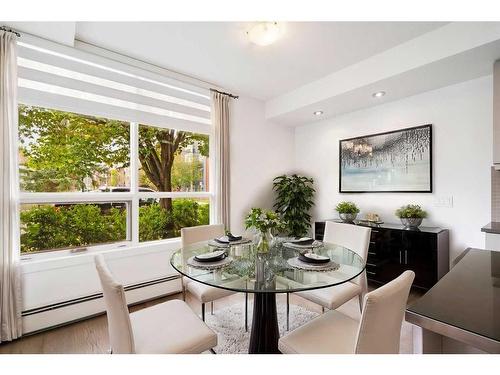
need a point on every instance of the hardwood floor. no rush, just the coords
(91, 336)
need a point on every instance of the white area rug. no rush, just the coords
(229, 323)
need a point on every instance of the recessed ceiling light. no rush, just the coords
(378, 94)
(265, 33)
(317, 113)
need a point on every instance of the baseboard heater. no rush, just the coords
(62, 313)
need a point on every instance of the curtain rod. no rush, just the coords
(225, 93)
(9, 30)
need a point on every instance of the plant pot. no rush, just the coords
(411, 222)
(347, 218)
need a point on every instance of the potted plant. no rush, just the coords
(265, 222)
(411, 215)
(347, 211)
(294, 199)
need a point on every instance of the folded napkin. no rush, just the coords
(228, 238)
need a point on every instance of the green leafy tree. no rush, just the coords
(185, 174)
(157, 151)
(61, 149)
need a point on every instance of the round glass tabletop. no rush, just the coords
(246, 270)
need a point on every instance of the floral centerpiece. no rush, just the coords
(267, 223)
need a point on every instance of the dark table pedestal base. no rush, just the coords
(265, 333)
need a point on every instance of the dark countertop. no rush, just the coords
(393, 226)
(467, 297)
(493, 227)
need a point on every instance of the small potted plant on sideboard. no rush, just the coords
(411, 215)
(347, 211)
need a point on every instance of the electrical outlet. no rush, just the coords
(444, 201)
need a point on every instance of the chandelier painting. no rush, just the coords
(396, 161)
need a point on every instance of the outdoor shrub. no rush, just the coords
(52, 227)
(55, 227)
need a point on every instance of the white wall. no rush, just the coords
(260, 151)
(462, 155)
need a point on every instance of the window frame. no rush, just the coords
(131, 198)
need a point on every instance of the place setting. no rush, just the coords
(308, 259)
(211, 260)
(228, 240)
(303, 243)
(219, 256)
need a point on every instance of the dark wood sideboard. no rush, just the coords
(394, 249)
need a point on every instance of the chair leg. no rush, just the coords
(203, 311)
(183, 293)
(246, 312)
(288, 311)
(213, 351)
(322, 309)
(212, 308)
(364, 289)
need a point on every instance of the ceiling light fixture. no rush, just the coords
(264, 33)
(378, 94)
(317, 113)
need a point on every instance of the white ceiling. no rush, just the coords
(454, 53)
(220, 53)
(330, 66)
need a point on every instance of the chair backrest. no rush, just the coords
(354, 237)
(121, 337)
(383, 312)
(201, 233)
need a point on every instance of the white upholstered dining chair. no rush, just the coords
(357, 239)
(169, 327)
(205, 293)
(378, 332)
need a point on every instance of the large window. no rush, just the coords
(93, 181)
(112, 153)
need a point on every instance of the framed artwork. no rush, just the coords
(398, 161)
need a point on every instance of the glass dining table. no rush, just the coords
(265, 274)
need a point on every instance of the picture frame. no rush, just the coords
(396, 161)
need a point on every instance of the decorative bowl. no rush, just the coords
(347, 218)
(411, 222)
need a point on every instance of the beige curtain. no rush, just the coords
(10, 283)
(220, 119)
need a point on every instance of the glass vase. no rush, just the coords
(265, 242)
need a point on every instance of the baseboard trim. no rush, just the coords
(60, 314)
(94, 296)
(94, 315)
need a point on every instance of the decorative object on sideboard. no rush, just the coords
(348, 211)
(395, 161)
(411, 215)
(371, 218)
(294, 199)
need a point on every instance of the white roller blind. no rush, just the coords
(73, 80)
